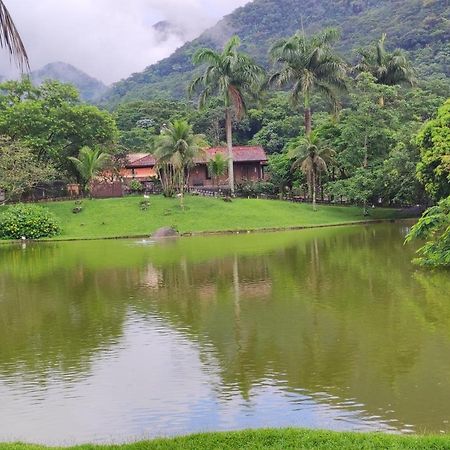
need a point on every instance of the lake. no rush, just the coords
(112, 341)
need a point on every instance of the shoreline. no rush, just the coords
(215, 232)
(278, 438)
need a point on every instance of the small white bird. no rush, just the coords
(23, 238)
(146, 196)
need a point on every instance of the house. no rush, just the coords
(249, 165)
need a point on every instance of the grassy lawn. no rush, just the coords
(276, 439)
(123, 217)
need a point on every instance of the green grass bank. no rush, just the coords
(280, 439)
(123, 217)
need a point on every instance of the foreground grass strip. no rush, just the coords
(275, 439)
(123, 217)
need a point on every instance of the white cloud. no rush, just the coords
(109, 39)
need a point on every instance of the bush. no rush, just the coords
(255, 188)
(29, 221)
(136, 186)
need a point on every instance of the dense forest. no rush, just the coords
(421, 27)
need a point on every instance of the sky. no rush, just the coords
(108, 39)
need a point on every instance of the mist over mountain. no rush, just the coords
(421, 27)
(90, 88)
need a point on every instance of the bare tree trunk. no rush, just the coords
(229, 126)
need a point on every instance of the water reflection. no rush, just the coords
(327, 328)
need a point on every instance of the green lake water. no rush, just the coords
(112, 341)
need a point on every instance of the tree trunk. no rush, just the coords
(381, 101)
(308, 117)
(182, 189)
(229, 126)
(314, 190)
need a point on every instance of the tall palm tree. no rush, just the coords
(176, 150)
(234, 77)
(89, 164)
(308, 154)
(389, 68)
(10, 38)
(308, 64)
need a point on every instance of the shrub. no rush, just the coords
(136, 186)
(29, 221)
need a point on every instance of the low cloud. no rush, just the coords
(108, 39)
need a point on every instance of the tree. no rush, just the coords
(388, 68)
(232, 76)
(51, 121)
(310, 156)
(10, 38)
(434, 227)
(309, 64)
(20, 170)
(433, 140)
(217, 167)
(89, 164)
(176, 150)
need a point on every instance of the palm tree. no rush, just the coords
(176, 150)
(388, 68)
(10, 38)
(308, 64)
(89, 164)
(232, 76)
(309, 154)
(217, 166)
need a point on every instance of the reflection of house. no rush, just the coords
(249, 164)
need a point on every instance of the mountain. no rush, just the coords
(90, 88)
(165, 30)
(422, 27)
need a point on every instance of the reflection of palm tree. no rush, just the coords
(10, 38)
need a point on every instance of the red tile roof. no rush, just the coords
(240, 154)
(146, 161)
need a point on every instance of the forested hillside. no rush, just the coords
(422, 27)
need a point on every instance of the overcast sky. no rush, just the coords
(108, 39)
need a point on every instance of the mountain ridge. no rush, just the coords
(89, 87)
(420, 27)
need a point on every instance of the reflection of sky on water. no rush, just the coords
(159, 387)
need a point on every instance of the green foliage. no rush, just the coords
(256, 188)
(51, 121)
(433, 140)
(136, 186)
(176, 150)
(89, 164)
(20, 170)
(217, 166)
(434, 227)
(281, 174)
(309, 64)
(389, 68)
(29, 221)
(419, 27)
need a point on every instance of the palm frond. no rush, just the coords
(11, 40)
